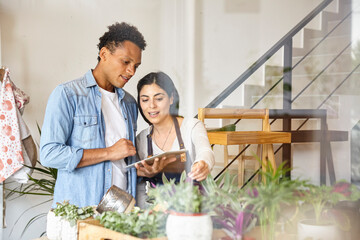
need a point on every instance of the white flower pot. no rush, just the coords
(189, 226)
(307, 229)
(68, 232)
(53, 226)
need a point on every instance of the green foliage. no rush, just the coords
(37, 186)
(143, 224)
(222, 192)
(323, 196)
(187, 196)
(72, 213)
(229, 212)
(267, 198)
(183, 197)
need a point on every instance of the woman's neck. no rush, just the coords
(164, 126)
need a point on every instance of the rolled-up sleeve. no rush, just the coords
(56, 130)
(201, 144)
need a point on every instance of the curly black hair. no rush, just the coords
(118, 33)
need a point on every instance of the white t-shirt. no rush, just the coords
(115, 129)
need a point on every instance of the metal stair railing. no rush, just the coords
(285, 42)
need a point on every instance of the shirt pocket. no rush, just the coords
(85, 130)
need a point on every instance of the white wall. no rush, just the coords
(47, 42)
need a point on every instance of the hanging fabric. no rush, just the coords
(29, 152)
(11, 156)
(28, 145)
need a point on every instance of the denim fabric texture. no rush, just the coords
(74, 122)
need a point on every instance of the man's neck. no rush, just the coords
(100, 79)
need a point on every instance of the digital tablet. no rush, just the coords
(150, 160)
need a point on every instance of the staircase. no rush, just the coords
(304, 72)
(321, 70)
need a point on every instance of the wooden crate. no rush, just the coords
(91, 229)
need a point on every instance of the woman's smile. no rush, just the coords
(153, 114)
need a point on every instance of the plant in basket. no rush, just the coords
(138, 223)
(187, 208)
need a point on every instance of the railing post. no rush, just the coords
(323, 127)
(287, 90)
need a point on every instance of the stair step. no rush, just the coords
(325, 23)
(326, 83)
(322, 86)
(344, 27)
(310, 101)
(333, 6)
(331, 16)
(313, 64)
(330, 45)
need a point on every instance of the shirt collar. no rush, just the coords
(91, 82)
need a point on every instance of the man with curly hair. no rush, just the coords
(89, 127)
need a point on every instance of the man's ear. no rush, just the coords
(103, 53)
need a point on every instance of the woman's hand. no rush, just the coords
(147, 170)
(199, 171)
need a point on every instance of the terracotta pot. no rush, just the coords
(308, 229)
(180, 226)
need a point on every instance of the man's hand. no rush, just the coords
(121, 149)
(199, 171)
(146, 170)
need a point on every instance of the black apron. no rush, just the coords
(157, 179)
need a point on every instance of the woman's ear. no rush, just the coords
(172, 99)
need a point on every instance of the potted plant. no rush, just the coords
(61, 221)
(229, 213)
(322, 199)
(235, 220)
(268, 197)
(187, 208)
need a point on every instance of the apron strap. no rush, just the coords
(158, 178)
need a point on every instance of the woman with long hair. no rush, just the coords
(158, 102)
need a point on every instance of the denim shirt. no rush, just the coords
(74, 122)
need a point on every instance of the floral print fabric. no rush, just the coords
(11, 158)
